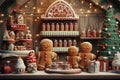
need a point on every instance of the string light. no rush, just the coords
(82, 1)
(41, 3)
(29, 2)
(1, 21)
(90, 4)
(81, 9)
(35, 20)
(38, 17)
(2, 15)
(37, 35)
(31, 14)
(38, 10)
(34, 7)
(102, 6)
(26, 6)
(95, 10)
(86, 15)
(88, 11)
(97, 3)
(82, 12)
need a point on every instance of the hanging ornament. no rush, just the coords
(109, 52)
(113, 47)
(105, 29)
(103, 47)
(106, 44)
(117, 22)
(119, 35)
(108, 34)
(114, 29)
(119, 32)
(119, 48)
(108, 19)
(110, 6)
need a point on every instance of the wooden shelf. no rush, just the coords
(18, 52)
(60, 49)
(49, 76)
(18, 27)
(59, 33)
(90, 38)
(9, 40)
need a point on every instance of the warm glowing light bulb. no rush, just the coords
(26, 6)
(34, 7)
(38, 10)
(97, 3)
(1, 21)
(41, 3)
(88, 11)
(37, 35)
(90, 4)
(95, 10)
(82, 12)
(38, 17)
(31, 14)
(102, 6)
(2, 15)
(35, 20)
(81, 9)
(29, 2)
(86, 15)
(82, 1)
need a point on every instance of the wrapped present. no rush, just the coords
(104, 64)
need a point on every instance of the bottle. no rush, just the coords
(48, 27)
(65, 43)
(62, 27)
(60, 43)
(76, 27)
(71, 26)
(66, 27)
(57, 27)
(52, 27)
(43, 27)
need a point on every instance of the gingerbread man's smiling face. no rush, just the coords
(73, 51)
(46, 45)
(86, 47)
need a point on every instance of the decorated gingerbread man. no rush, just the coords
(45, 56)
(86, 55)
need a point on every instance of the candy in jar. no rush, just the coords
(65, 43)
(69, 43)
(60, 43)
(55, 43)
(76, 27)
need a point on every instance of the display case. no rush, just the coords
(60, 24)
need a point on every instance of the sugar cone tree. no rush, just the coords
(109, 45)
